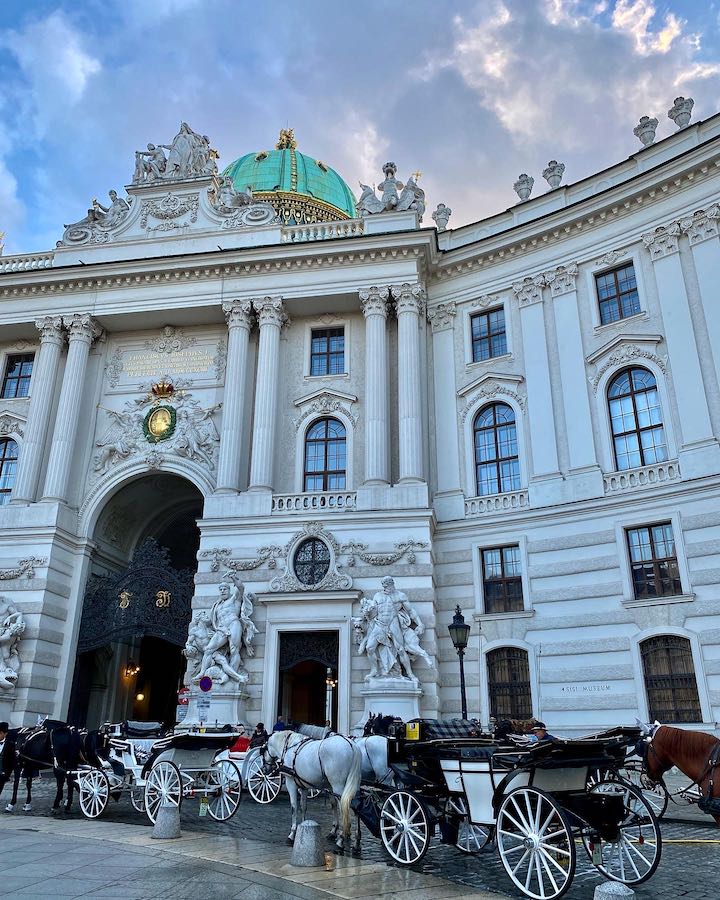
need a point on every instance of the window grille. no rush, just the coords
(509, 683)
(670, 680)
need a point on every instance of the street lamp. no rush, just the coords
(459, 633)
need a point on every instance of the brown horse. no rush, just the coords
(695, 753)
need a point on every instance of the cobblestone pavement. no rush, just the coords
(690, 865)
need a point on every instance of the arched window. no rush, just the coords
(325, 456)
(636, 418)
(497, 468)
(509, 683)
(8, 468)
(670, 681)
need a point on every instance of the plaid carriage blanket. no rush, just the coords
(438, 729)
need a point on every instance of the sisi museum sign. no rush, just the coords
(261, 435)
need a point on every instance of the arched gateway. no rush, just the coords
(136, 604)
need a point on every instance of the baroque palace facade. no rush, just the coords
(248, 373)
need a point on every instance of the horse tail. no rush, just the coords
(352, 785)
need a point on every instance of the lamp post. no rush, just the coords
(330, 685)
(459, 633)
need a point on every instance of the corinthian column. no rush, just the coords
(271, 316)
(410, 304)
(239, 320)
(374, 307)
(36, 429)
(82, 330)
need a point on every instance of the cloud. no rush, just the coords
(55, 66)
(633, 17)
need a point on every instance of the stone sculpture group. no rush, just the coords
(217, 639)
(394, 195)
(388, 632)
(12, 626)
(189, 156)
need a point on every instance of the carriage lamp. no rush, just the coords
(140, 697)
(131, 669)
(330, 685)
(459, 633)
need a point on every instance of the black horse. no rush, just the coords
(57, 746)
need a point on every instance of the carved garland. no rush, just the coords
(170, 207)
(26, 567)
(490, 392)
(9, 425)
(628, 353)
(327, 404)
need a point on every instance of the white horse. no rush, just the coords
(333, 762)
(374, 752)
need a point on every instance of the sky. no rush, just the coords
(471, 94)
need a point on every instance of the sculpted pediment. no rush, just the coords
(11, 423)
(619, 340)
(325, 402)
(490, 378)
(491, 386)
(625, 348)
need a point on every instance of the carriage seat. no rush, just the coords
(478, 752)
(444, 729)
(133, 729)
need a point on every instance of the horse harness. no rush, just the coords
(706, 804)
(290, 769)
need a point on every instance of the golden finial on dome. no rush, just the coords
(286, 141)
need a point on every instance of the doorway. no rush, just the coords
(135, 616)
(307, 683)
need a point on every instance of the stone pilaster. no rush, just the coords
(375, 309)
(447, 446)
(409, 305)
(541, 417)
(36, 429)
(271, 317)
(82, 330)
(575, 399)
(238, 314)
(663, 246)
(702, 232)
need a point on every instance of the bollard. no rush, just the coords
(612, 890)
(167, 822)
(308, 845)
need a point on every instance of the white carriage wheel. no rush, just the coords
(262, 786)
(163, 785)
(634, 853)
(137, 798)
(404, 828)
(225, 782)
(471, 838)
(535, 843)
(94, 792)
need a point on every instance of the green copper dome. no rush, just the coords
(303, 190)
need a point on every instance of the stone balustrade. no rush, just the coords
(644, 476)
(495, 503)
(326, 501)
(26, 262)
(322, 231)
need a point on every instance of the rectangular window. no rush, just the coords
(502, 581)
(617, 294)
(18, 370)
(487, 330)
(653, 561)
(327, 351)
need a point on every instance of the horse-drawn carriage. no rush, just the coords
(154, 770)
(534, 799)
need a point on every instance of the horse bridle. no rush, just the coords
(712, 765)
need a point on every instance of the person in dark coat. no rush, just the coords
(259, 737)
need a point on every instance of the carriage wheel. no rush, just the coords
(137, 798)
(262, 786)
(94, 793)
(632, 854)
(405, 828)
(163, 785)
(226, 782)
(535, 843)
(471, 838)
(655, 794)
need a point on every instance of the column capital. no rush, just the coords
(270, 311)
(702, 225)
(562, 280)
(529, 290)
(441, 317)
(82, 327)
(409, 298)
(374, 301)
(50, 328)
(663, 241)
(238, 313)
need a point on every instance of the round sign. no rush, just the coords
(205, 683)
(183, 696)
